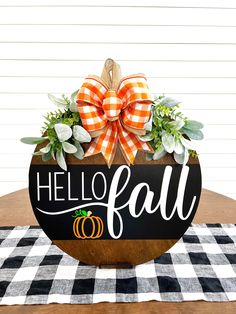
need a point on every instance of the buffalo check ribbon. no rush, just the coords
(113, 116)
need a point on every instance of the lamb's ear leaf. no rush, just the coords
(38, 153)
(59, 102)
(73, 104)
(169, 102)
(80, 134)
(33, 140)
(61, 159)
(160, 153)
(179, 148)
(193, 125)
(53, 154)
(69, 148)
(148, 125)
(80, 152)
(45, 149)
(193, 134)
(149, 156)
(182, 158)
(63, 131)
(187, 143)
(168, 142)
(47, 156)
(146, 138)
(73, 95)
(186, 156)
(177, 124)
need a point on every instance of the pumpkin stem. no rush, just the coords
(89, 213)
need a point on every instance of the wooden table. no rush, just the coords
(15, 209)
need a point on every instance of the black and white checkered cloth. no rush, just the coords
(200, 266)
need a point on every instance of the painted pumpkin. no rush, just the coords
(95, 224)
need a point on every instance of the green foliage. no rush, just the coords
(60, 117)
(193, 153)
(57, 130)
(170, 131)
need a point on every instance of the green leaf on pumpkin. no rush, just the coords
(84, 213)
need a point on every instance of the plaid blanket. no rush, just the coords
(200, 266)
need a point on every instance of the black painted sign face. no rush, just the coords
(148, 201)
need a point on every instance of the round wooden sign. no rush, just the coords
(114, 216)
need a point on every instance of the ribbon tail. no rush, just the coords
(105, 143)
(130, 144)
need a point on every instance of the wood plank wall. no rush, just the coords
(187, 49)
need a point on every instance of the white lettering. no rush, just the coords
(83, 186)
(70, 198)
(111, 209)
(44, 187)
(134, 197)
(113, 212)
(104, 186)
(56, 187)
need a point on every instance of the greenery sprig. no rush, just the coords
(62, 132)
(169, 131)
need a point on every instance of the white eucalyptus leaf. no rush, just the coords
(168, 142)
(63, 131)
(187, 143)
(33, 140)
(61, 159)
(45, 149)
(80, 134)
(178, 147)
(146, 138)
(80, 152)
(69, 148)
(59, 102)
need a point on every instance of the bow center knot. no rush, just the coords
(112, 105)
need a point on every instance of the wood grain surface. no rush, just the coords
(15, 209)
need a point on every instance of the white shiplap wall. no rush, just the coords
(187, 48)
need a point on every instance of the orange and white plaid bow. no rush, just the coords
(115, 116)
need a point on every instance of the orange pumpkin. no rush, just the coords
(97, 227)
